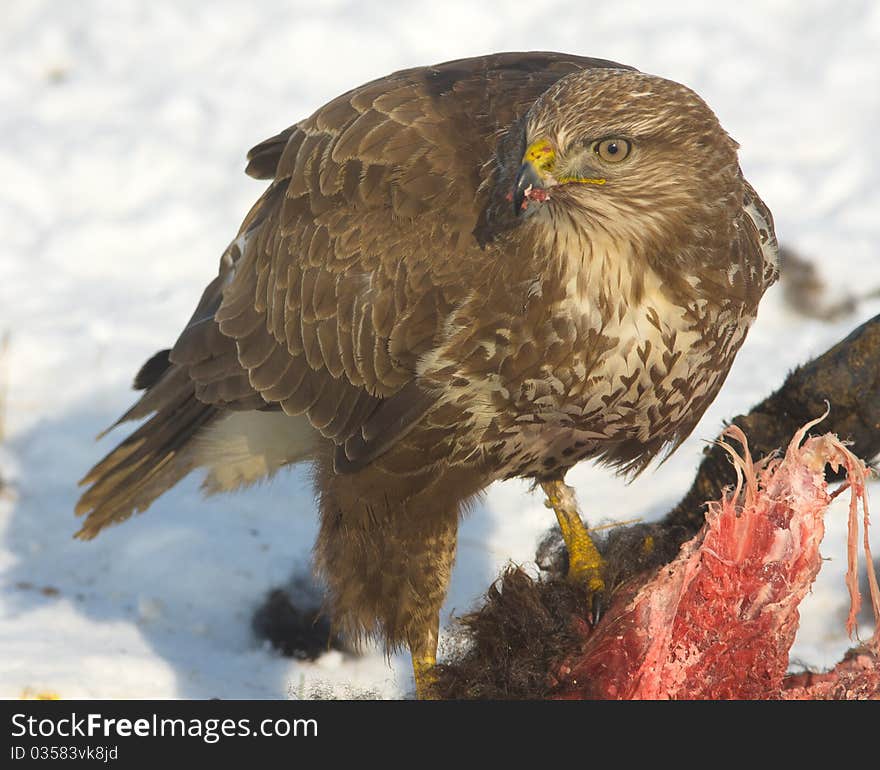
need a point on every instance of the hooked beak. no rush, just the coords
(527, 179)
(534, 174)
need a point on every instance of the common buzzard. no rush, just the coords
(489, 268)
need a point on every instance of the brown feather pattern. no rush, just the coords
(383, 289)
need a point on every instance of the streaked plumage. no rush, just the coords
(386, 314)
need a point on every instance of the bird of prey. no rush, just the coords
(490, 268)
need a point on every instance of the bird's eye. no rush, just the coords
(612, 150)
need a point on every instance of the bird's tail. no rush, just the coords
(236, 447)
(152, 459)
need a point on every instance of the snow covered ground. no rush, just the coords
(123, 129)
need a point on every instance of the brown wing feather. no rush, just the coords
(263, 159)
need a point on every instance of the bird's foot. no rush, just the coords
(585, 563)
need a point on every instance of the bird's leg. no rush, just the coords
(584, 561)
(424, 658)
(423, 671)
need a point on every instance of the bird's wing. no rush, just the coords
(760, 241)
(344, 271)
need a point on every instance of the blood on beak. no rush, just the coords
(528, 183)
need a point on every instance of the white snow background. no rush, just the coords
(123, 131)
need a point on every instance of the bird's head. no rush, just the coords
(636, 156)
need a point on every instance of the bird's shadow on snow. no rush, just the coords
(189, 573)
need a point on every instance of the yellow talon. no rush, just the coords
(585, 564)
(31, 694)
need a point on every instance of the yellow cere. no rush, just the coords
(541, 155)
